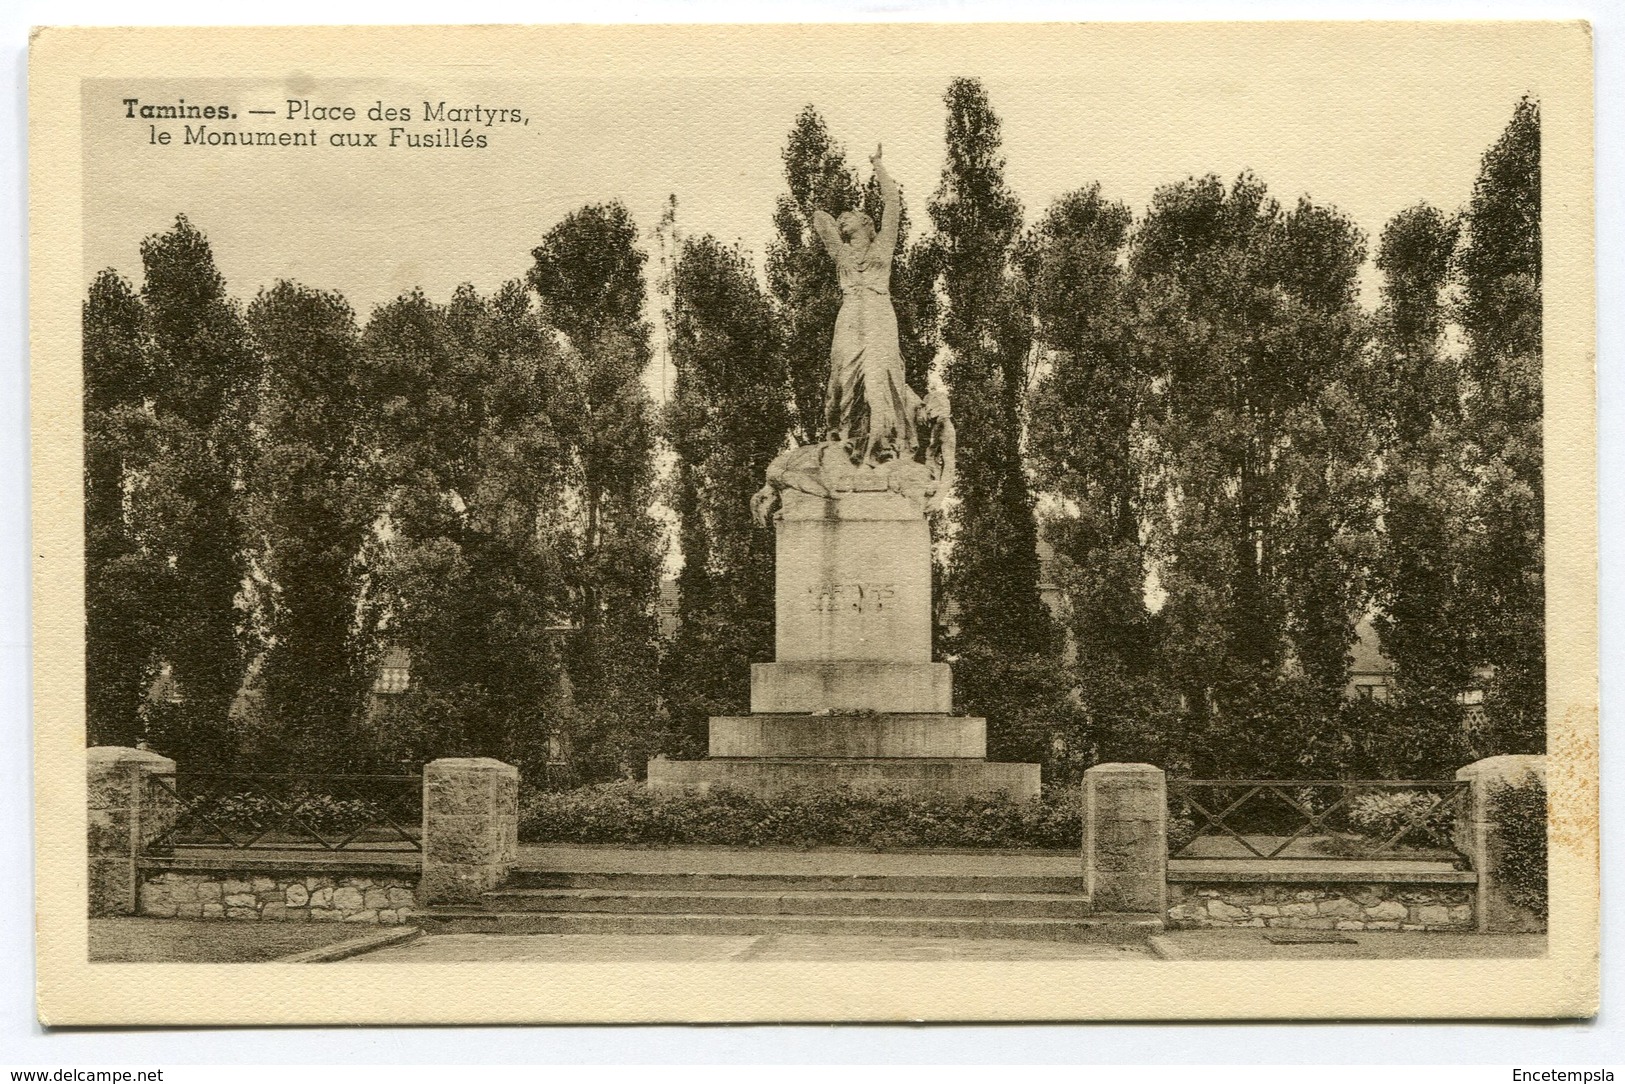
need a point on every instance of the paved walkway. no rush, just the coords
(1175, 946)
(1364, 945)
(563, 858)
(592, 948)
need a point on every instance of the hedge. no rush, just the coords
(1520, 814)
(629, 813)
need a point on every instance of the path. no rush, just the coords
(588, 948)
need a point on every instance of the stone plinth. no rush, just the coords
(959, 736)
(946, 777)
(851, 685)
(853, 580)
(1480, 837)
(852, 697)
(126, 810)
(1125, 838)
(470, 827)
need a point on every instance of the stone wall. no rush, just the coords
(1331, 906)
(245, 895)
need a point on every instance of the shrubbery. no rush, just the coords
(628, 813)
(1520, 813)
(1385, 813)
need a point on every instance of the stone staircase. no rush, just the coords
(1024, 907)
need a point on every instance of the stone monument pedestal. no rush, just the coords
(852, 697)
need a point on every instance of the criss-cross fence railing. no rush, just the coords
(1254, 819)
(280, 813)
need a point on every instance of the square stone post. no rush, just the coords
(125, 810)
(470, 827)
(1479, 838)
(1125, 838)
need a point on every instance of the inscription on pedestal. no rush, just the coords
(853, 580)
(864, 598)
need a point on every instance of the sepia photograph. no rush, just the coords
(823, 523)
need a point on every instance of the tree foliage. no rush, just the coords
(123, 581)
(588, 272)
(467, 571)
(728, 418)
(1415, 387)
(1499, 265)
(1263, 518)
(1005, 643)
(1090, 454)
(309, 514)
(204, 383)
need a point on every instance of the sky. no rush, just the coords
(1369, 123)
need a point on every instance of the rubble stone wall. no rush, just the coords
(245, 895)
(1329, 906)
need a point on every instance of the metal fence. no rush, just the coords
(289, 813)
(1255, 819)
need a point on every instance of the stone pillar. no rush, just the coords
(1125, 838)
(1479, 838)
(125, 811)
(470, 827)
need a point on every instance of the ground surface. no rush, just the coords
(1173, 946)
(172, 940)
(584, 948)
(1374, 945)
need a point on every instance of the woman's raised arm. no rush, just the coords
(890, 204)
(828, 232)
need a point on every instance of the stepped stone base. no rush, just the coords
(851, 685)
(947, 776)
(848, 736)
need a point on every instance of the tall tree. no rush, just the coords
(468, 573)
(728, 419)
(589, 274)
(204, 380)
(122, 581)
(800, 274)
(1425, 619)
(1005, 634)
(1090, 454)
(310, 516)
(1264, 514)
(1499, 267)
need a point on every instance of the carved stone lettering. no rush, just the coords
(863, 597)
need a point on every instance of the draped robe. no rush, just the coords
(867, 403)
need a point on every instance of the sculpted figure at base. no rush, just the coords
(826, 470)
(879, 434)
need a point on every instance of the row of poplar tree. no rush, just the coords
(276, 495)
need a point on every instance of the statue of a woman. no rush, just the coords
(867, 404)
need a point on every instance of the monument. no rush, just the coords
(852, 696)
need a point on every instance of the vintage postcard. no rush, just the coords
(814, 523)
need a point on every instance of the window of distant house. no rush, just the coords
(392, 679)
(1378, 693)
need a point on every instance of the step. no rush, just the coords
(885, 735)
(1105, 927)
(793, 882)
(945, 777)
(845, 903)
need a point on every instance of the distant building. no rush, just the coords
(666, 608)
(1371, 673)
